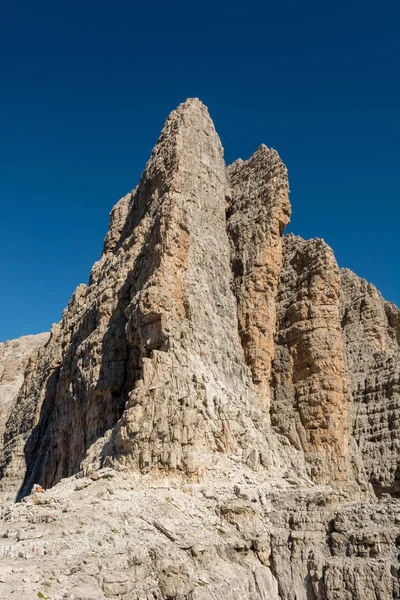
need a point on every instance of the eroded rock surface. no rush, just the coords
(206, 418)
(310, 404)
(14, 357)
(371, 334)
(242, 537)
(152, 340)
(194, 395)
(257, 215)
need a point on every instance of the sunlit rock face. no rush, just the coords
(371, 330)
(150, 348)
(217, 410)
(257, 214)
(310, 404)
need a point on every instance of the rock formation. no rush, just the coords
(258, 213)
(14, 357)
(310, 404)
(217, 409)
(371, 334)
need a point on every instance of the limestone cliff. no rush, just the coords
(14, 357)
(150, 346)
(211, 410)
(258, 213)
(310, 404)
(371, 335)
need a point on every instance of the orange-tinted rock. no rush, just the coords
(310, 404)
(371, 334)
(148, 353)
(258, 212)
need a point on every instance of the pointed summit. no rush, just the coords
(198, 325)
(146, 366)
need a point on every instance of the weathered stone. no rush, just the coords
(371, 335)
(14, 357)
(207, 414)
(258, 212)
(153, 338)
(194, 390)
(310, 404)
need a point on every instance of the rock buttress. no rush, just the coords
(371, 334)
(310, 404)
(258, 212)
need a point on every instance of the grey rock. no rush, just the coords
(14, 358)
(371, 335)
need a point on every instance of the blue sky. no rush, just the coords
(86, 87)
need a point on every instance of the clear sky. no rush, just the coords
(86, 86)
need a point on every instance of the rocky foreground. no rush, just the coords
(217, 413)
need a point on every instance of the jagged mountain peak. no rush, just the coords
(217, 410)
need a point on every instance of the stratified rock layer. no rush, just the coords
(371, 333)
(258, 212)
(310, 404)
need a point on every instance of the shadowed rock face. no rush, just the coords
(371, 335)
(240, 392)
(14, 357)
